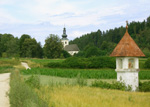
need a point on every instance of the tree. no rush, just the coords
(92, 51)
(29, 48)
(22, 39)
(53, 47)
(39, 52)
(4, 38)
(13, 48)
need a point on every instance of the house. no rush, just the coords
(71, 49)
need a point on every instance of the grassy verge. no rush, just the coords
(6, 69)
(21, 94)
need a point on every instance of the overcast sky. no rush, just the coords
(39, 18)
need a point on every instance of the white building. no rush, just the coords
(127, 62)
(71, 49)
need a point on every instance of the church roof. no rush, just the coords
(127, 47)
(72, 47)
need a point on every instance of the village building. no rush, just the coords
(71, 49)
(127, 55)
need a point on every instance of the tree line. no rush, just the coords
(99, 43)
(26, 46)
(103, 42)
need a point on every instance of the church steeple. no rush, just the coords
(64, 39)
(64, 35)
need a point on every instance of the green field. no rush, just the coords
(56, 87)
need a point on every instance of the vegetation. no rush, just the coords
(21, 94)
(52, 47)
(106, 41)
(92, 62)
(76, 96)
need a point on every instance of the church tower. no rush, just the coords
(64, 39)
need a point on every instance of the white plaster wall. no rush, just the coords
(63, 42)
(129, 78)
(126, 75)
(72, 52)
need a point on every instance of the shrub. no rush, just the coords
(92, 62)
(147, 63)
(33, 81)
(144, 87)
(114, 85)
(80, 80)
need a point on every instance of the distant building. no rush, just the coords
(71, 49)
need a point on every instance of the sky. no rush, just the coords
(39, 18)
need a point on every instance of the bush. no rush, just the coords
(147, 63)
(33, 81)
(114, 85)
(144, 87)
(92, 62)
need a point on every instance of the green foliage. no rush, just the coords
(33, 81)
(92, 62)
(147, 63)
(53, 47)
(114, 85)
(21, 95)
(30, 48)
(144, 87)
(81, 81)
(6, 69)
(92, 51)
(65, 54)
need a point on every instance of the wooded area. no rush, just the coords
(106, 41)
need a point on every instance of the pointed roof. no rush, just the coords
(127, 47)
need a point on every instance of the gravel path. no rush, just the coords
(25, 65)
(4, 88)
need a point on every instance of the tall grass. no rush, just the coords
(21, 94)
(75, 96)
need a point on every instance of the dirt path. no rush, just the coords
(4, 88)
(25, 65)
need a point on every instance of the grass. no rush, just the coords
(43, 61)
(75, 96)
(6, 69)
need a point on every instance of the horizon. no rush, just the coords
(41, 18)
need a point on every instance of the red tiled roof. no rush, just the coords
(127, 47)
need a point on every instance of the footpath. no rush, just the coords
(4, 88)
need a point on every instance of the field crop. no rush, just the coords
(72, 73)
(85, 73)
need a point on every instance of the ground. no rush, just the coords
(4, 88)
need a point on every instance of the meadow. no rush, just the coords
(63, 87)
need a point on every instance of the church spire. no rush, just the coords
(64, 35)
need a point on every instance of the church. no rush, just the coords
(71, 49)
